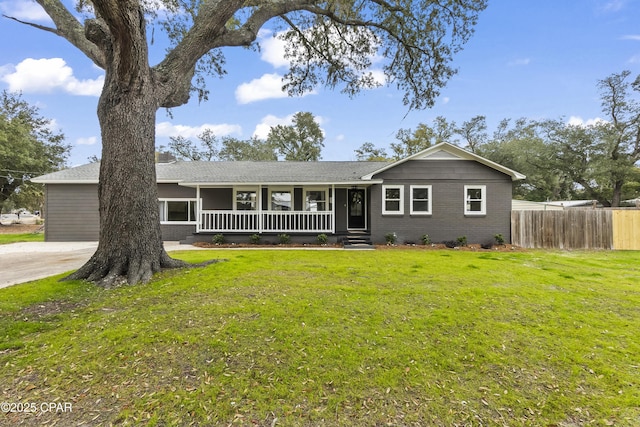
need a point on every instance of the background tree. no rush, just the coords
(28, 148)
(422, 137)
(252, 149)
(369, 152)
(331, 43)
(185, 149)
(301, 141)
(473, 133)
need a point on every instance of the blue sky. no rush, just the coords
(535, 59)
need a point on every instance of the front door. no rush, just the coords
(356, 209)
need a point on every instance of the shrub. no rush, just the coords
(322, 239)
(487, 245)
(499, 239)
(462, 241)
(284, 239)
(451, 244)
(391, 238)
(254, 239)
(217, 239)
(426, 240)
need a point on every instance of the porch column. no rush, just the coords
(198, 210)
(259, 202)
(333, 208)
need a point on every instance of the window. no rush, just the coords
(281, 200)
(177, 210)
(392, 199)
(246, 200)
(421, 200)
(475, 200)
(315, 200)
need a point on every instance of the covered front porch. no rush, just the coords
(281, 209)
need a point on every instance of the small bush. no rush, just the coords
(462, 241)
(284, 239)
(487, 245)
(254, 239)
(426, 240)
(451, 244)
(391, 238)
(322, 239)
(499, 239)
(217, 239)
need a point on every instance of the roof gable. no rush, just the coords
(446, 151)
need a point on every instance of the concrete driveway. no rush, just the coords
(24, 262)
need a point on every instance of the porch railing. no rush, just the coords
(266, 221)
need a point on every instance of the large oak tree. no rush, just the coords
(328, 42)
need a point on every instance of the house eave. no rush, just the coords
(452, 149)
(280, 183)
(64, 181)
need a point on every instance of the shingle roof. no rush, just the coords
(234, 172)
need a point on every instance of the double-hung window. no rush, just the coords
(177, 210)
(475, 199)
(315, 200)
(281, 200)
(393, 199)
(420, 200)
(246, 199)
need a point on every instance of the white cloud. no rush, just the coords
(579, 121)
(48, 75)
(272, 50)
(613, 5)
(269, 86)
(92, 140)
(269, 121)
(378, 76)
(446, 100)
(635, 59)
(167, 129)
(24, 10)
(519, 62)
(635, 37)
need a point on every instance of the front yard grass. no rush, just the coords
(306, 338)
(21, 237)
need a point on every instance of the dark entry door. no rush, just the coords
(357, 209)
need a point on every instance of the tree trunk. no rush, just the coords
(130, 246)
(617, 193)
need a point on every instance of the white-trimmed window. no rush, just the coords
(475, 199)
(420, 200)
(315, 200)
(281, 199)
(393, 199)
(177, 210)
(245, 199)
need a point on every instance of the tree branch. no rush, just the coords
(68, 27)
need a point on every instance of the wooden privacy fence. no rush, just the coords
(576, 229)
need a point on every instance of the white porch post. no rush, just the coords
(333, 208)
(199, 210)
(259, 202)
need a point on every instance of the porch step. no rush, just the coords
(357, 241)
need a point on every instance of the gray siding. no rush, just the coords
(176, 232)
(174, 191)
(340, 200)
(71, 213)
(447, 221)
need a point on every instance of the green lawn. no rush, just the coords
(290, 338)
(22, 237)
